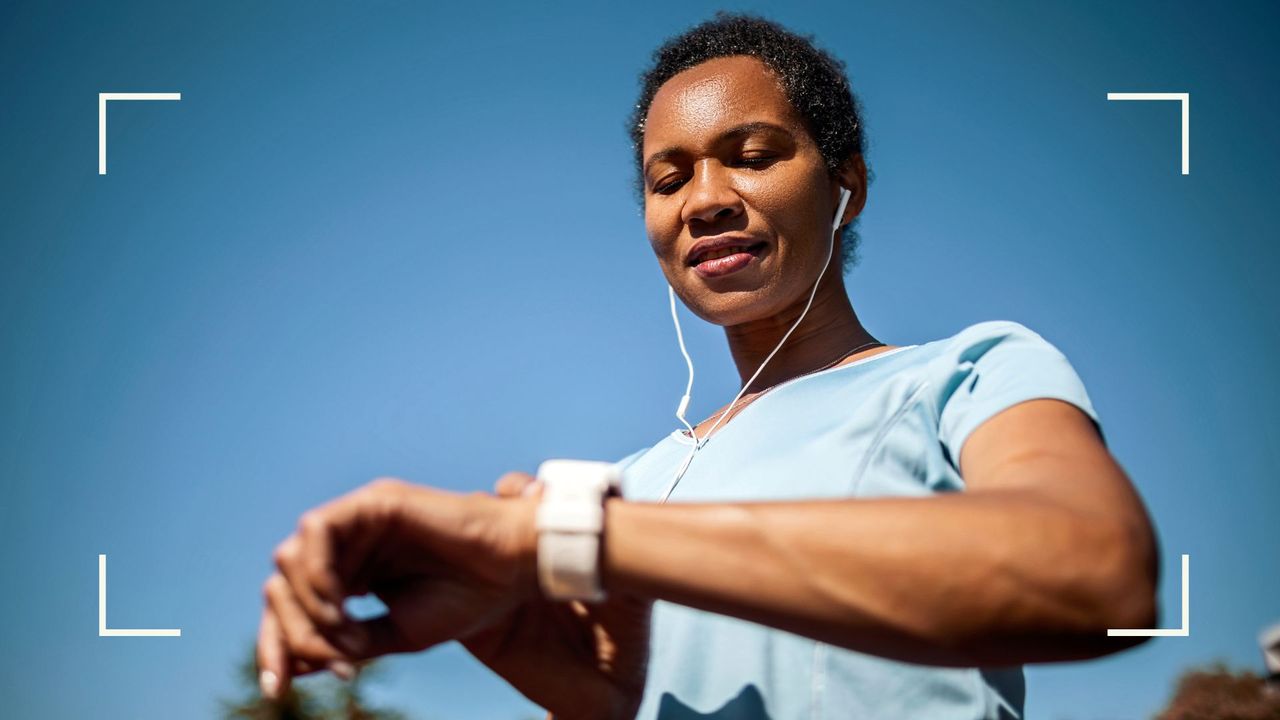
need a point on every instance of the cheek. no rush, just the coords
(778, 205)
(795, 208)
(660, 229)
(784, 191)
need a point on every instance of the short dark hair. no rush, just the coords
(813, 80)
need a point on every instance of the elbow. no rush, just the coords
(1123, 583)
(1101, 576)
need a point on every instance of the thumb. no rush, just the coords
(421, 613)
(515, 484)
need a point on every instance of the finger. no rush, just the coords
(295, 564)
(364, 640)
(341, 668)
(274, 663)
(439, 610)
(421, 612)
(302, 639)
(304, 667)
(341, 537)
(512, 484)
(318, 562)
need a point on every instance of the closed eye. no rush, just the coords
(751, 162)
(668, 188)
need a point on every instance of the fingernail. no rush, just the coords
(332, 613)
(343, 669)
(270, 684)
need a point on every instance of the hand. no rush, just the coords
(444, 564)
(578, 660)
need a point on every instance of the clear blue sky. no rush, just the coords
(397, 239)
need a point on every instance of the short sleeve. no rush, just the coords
(629, 478)
(625, 462)
(991, 366)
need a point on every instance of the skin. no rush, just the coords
(701, 180)
(1048, 547)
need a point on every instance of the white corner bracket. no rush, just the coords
(1183, 631)
(103, 630)
(102, 118)
(1185, 99)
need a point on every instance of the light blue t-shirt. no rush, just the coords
(890, 424)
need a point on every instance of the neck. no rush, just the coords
(829, 330)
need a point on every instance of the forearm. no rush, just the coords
(966, 579)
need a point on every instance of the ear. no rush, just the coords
(853, 175)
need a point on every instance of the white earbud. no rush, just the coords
(845, 194)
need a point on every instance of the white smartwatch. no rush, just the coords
(570, 522)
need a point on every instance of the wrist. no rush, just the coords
(608, 580)
(570, 526)
(517, 517)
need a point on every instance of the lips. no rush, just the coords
(712, 248)
(714, 267)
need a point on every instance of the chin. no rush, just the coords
(731, 307)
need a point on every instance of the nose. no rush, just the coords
(712, 197)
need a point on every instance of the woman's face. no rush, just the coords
(727, 158)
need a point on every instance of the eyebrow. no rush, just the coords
(736, 131)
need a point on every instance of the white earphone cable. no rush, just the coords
(684, 401)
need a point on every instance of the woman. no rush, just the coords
(868, 530)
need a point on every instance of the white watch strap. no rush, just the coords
(570, 523)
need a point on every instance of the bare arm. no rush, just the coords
(1048, 547)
